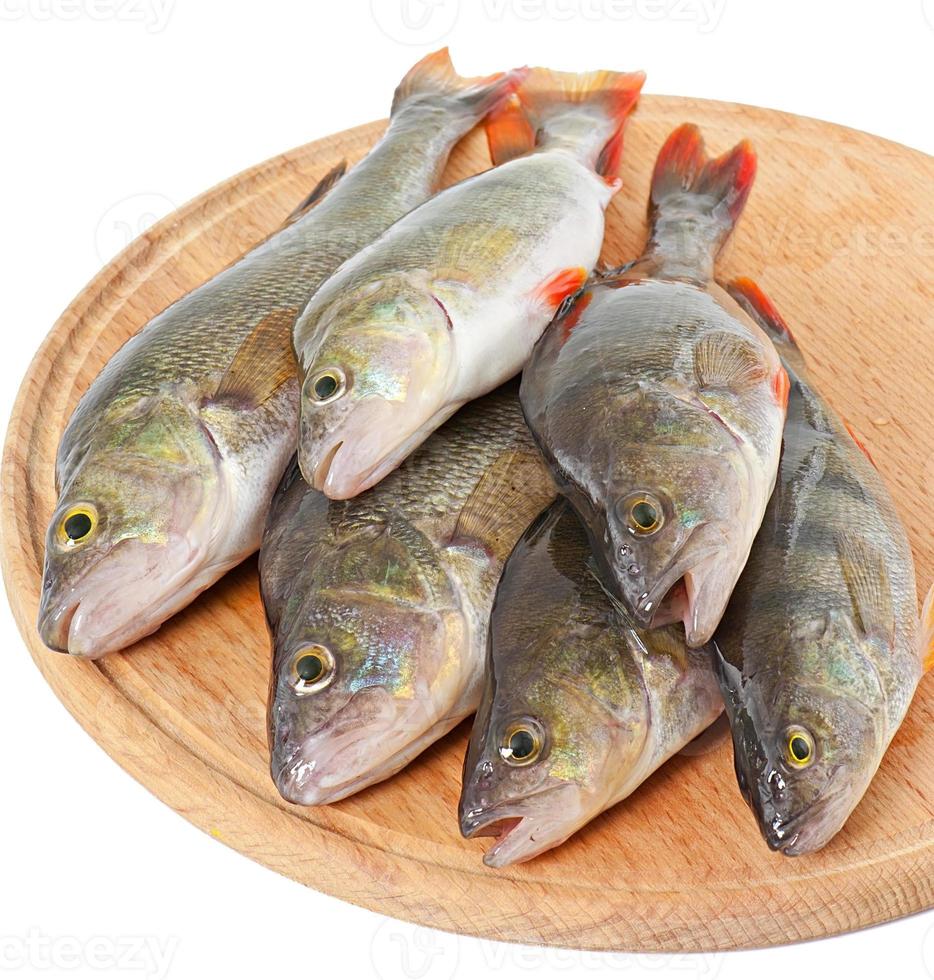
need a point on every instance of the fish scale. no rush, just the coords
(174, 452)
(394, 588)
(604, 704)
(820, 639)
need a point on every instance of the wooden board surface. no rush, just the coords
(840, 231)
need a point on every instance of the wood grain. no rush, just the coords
(840, 231)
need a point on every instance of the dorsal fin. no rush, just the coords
(512, 492)
(319, 191)
(263, 363)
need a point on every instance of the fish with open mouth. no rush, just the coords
(659, 402)
(378, 606)
(579, 706)
(447, 304)
(167, 466)
(818, 654)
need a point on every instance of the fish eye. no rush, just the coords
(312, 669)
(77, 525)
(326, 385)
(522, 743)
(799, 748)
(642, 513)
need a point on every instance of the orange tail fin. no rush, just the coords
(927, 631)
(585, 113)
(685, 178)
(433, 80)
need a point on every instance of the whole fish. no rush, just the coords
(818, 653)
(378, 607)
(449, 301)
(660, 403)
(579, 707)
(166, 469)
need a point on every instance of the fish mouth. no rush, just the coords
(811, 827)
(352, 749)
(128, 594)
(364, 452)
(54, 623)
(677, 597)
(521, 833)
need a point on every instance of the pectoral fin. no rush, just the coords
(723, 360)
(867, 580)
(263, 363)
(510, 495)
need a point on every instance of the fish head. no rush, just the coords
(367, 660)
(670, 517)
(375, 385)
(129, 531)
(807, 745)
(546, 747)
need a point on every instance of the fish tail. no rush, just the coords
(927, 631)
(585, 113)
(687, 179)
(433, 81)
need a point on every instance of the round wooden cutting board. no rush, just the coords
(839, 230)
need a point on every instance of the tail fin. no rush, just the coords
(927, 631)
(687, 180)
(585, 113)
(433, 81)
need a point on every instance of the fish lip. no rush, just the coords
(776, 832)
(54, 624)
(127, 631)
(675, 571)
(319, 477)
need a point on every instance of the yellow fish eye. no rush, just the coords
(522, 743)
(644, 514)
(327, 385)
(799, 748)
(312, 669)
(77, 525)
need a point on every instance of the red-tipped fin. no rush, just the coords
(556, 289)
(683, 167)
(860, 445)
(509, 133)
(434, 80)
(550, 106)
(753, 300)
(927, 631)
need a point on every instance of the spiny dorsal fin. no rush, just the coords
(264, 362)
(927, 631)
(867, 579)
(512, 492)
(320, 190)
(723, 360)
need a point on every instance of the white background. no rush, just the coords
(116, 111)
